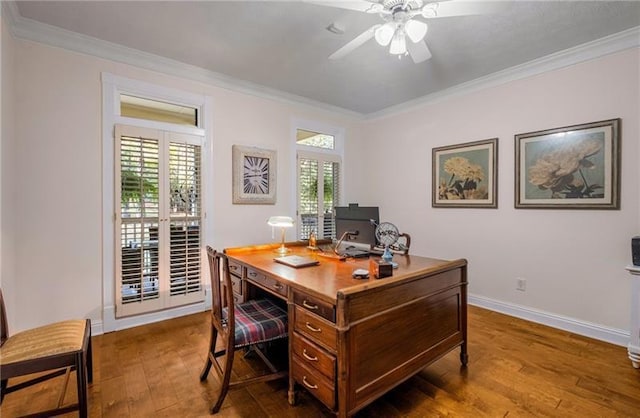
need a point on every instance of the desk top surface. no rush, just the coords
(333, 277)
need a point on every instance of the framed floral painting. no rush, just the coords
(575, 167)
(465, 175)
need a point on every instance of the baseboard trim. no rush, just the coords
(587, 329)
(110, 323)
(96, 327)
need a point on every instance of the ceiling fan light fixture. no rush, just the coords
(384, 33)
(398, 43)
(416, 30)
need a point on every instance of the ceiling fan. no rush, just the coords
(402, 30)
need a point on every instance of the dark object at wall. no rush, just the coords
(635, 250)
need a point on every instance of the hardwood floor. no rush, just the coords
(516, 369)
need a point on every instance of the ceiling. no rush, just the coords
(284, 46)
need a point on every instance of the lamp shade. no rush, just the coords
(281, 221)
(398, 43)
(384, 33)
(416, 30)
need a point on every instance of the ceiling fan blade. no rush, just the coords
(463, 8)
(354, 43)
(419, 51)
(367, 6)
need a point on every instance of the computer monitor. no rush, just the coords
(354, 225)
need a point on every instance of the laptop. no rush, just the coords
(297, 261)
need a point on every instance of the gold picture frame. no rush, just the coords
(573, 167)
(465, 175)
(254, 175)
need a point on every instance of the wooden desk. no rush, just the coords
(351, 340)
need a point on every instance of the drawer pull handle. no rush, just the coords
(307, 384)
(253, 274)
(278, 286)
(232, 267)
(307, 356)
(312, 328)
(308, 305)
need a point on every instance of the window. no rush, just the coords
(140, 108)
(315, 139)
(158, 255)
(319, 183)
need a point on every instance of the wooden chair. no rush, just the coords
(244, 325)
(53, 349)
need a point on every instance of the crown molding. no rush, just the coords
(9, 12)
(31, 30)
(611, 44)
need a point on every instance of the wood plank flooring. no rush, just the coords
(516, 369)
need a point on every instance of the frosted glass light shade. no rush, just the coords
(416, 30)
(384, 33)
(398, 43)
(281, 221)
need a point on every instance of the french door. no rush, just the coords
(159, 226)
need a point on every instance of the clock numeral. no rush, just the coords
(256, 175)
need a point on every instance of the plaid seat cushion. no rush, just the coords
(258, 321)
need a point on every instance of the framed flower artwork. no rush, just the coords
(465, 175)
(254, 175)
(575, 167)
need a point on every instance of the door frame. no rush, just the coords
(112, 87)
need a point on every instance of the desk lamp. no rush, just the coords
(282, 222)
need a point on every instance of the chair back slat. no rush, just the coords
(221, 288)
(214, 275)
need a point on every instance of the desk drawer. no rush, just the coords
(314, 357)
(236, 285)
(318, 307)
(238, 298)
(318, 385)
(315, 328)
(267, 282)
(235, 269)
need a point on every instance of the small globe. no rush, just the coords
(387, 234)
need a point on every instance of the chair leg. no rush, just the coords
(3, 387)
(89, 361)
(226, 379)
(212, 349)
(81, 377)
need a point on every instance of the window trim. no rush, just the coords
(112, 87)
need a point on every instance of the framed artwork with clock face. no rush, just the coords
(254, 175)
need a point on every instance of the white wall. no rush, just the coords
(573, 260)
(57, 168)
(7, 226)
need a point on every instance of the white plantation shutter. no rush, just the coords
(307, 202)
(159, 220)
(318, 194)
(331, 197)
(185, 221)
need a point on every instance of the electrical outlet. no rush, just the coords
(521, 284)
